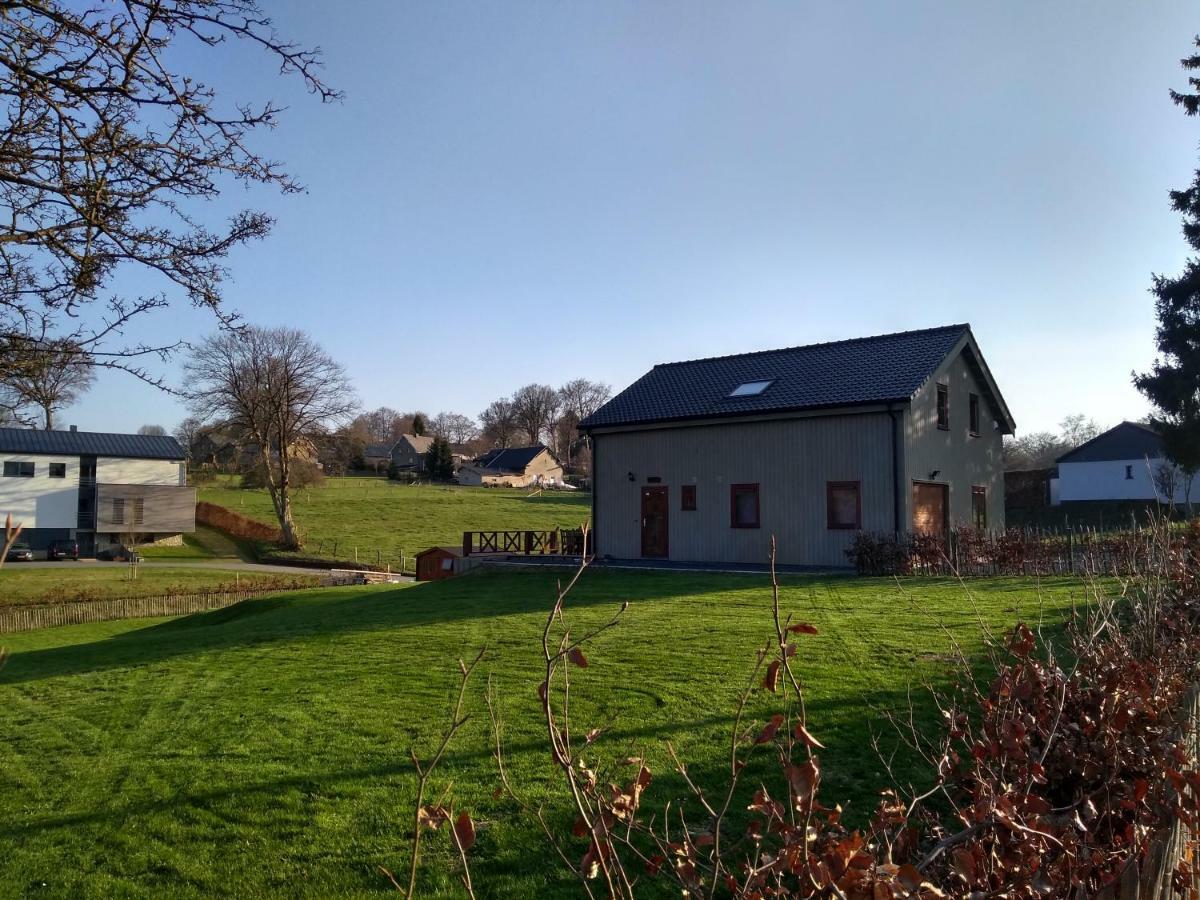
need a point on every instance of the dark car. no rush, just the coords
(63, 550)
(20, 553)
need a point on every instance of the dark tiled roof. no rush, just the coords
(889, 367)
(380, 450)
(509, 459)
(1129, 440)
(89, 443)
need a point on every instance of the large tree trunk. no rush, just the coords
(49, 412)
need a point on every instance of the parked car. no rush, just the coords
(63, 550)
(20, 553)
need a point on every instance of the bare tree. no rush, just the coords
(280, 389)
(43, 377)
(152, 430)
(104, 141)
(579, 398)
(187, 431)
(454, 427)
(498, 423)
(384, 425)
(1078, 429)
(535, 409)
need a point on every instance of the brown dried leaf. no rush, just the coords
(576, 656)
(464, 831)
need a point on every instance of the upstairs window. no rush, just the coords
(979, 507)
(843, 505)
(1128, 472)
(750, 388)
(687, 498)
(139, 505)
(743, 505)
(118, 511)
(58, 470)
(974, 415)
(18, 469)
(943, 407)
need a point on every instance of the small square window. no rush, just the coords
(750, 388)
(1128, 473)
(58, 470)
(943, 407)
(974, 416)
(979, 507)
(18, 469)
(843, 504)
(687, 498)
(743, 506)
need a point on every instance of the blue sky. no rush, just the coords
(538, 191)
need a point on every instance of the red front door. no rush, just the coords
(654, 522)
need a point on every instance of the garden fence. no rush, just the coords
(29, 617)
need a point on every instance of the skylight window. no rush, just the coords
(750, 389)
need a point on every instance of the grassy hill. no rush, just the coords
(262, 750)
(382, 518)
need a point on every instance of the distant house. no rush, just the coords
(1126, 462)
(408, 453)
(513, 467)
(377, 456)
(706, 460)
(96, 489)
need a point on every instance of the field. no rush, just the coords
(381, 519)
(262, 750)
(82, 581)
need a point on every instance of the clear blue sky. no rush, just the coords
(527, 192)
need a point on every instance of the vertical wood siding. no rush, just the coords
(791, 460)
(960, 459)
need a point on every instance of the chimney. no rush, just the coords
(74, 427)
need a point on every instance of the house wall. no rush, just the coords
(792, 460)
(405, 457)
(960, 459)
(1105, 480)
(120, 470)
(165, 508)
(41, 501)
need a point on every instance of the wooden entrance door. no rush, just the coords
(931, 508)
(654, 522)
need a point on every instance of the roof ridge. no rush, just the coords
(838, 342)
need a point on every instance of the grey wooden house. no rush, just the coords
(705, 460)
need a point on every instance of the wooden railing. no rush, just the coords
(558, 542)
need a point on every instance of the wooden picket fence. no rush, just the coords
(29, 617)
(1015, 551)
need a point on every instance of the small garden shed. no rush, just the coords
(437, 563)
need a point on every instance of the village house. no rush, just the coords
(706, 460)
(513, 467)
(97, 490)
(408, 453)
(1127, 462)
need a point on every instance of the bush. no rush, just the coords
(304, 474)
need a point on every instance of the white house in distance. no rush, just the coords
(1126, 462)
(99, 490)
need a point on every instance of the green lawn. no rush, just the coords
(261, 750)
(204, 543)
(85, 581)
(383, 518)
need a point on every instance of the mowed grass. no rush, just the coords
(262, 750)
(381, 518)
(85, 581)
(204, 543)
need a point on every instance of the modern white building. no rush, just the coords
(99, 490)
(1126, 462)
